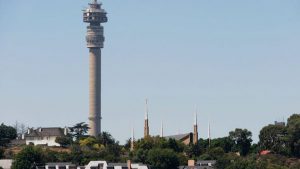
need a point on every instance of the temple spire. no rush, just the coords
(146, 110)
(146, 125)
(195, 134)
(195, 118)
(132, 140)
(209, 137)
(162, 129)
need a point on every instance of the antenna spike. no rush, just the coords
(146, 112)
(162, 129)
(195, 116)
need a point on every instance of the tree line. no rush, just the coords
(235, 151)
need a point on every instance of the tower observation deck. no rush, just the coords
(95, 15)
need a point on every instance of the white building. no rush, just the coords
(6, 163)
(44, 136)
(105, 165)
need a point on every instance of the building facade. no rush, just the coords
(44, 136)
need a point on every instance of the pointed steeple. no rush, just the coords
(195, 134)
(209, 134)
(146, 125)
(132, 140)
(162, 130)
(146, 110)
(195, 118)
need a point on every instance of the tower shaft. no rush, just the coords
(195, 134)
(146, 128)
(95, 92)
(95, 15)
(146, 124)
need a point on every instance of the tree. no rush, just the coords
(192, 150)
(162, 159)
(2, 152)
(225, 142)
(64, 141)
(79, 130)
(28, 158)
(274, 138)
(140, 155)
(242, 140)
(293, 129)
(7, 133)
(105, 138)
(174, 145)
(20, 128)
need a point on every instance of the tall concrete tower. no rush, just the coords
(95, 15)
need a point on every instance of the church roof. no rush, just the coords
(179, 136)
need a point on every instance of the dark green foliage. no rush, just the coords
(254, 149)
(2, 150)
(162, 159)
(242, 164)
(106, 139)
(293, 128)
(225, 143)
(79, 130)
(28, 158)
(7, 133)
(274, 138)
(159, 152)
(242, 140)
(64, 141)
(140, 155)
(192, 150)
(175, 145)
(103, 147)
(216, 153)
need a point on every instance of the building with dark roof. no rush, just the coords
(44, 136)
(186, 138)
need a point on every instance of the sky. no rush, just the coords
(236, 61)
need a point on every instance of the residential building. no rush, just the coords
(44, 136)
(6, 163)
(202, 164)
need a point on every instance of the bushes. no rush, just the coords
(29, 157)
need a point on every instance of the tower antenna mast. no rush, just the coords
(94, 15)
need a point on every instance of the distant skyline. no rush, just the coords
(237, 61)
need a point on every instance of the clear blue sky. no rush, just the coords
(238, 61)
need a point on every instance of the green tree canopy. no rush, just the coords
(162, 159)
(242, 139)
(274, 138)
(105, 138)
(293, 128)
(79, 130)
(64, 141)
(28, 158)
(7, 133)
